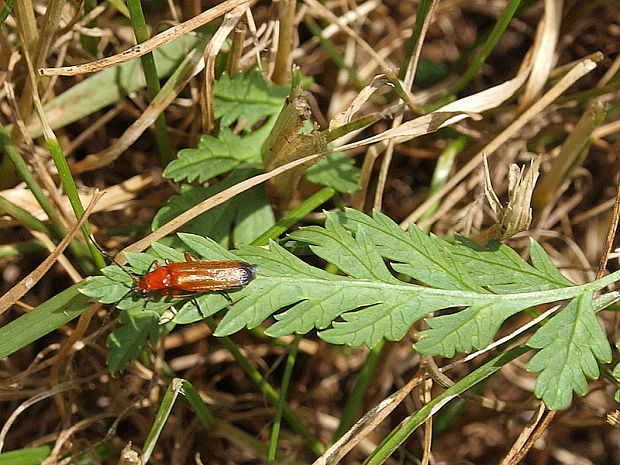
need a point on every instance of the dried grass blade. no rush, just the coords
(29, 281)
(145, 47)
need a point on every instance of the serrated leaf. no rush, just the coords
(370, 303)
(356, 257)
(247, 97)
(215, 156)
(465, 330)
(571, 343)
(128, 341)
(424, 258)
(336, 170)
(245, 216)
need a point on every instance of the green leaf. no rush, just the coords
(336, 170)
(371, 299)
(43, 319)
(370, 303)
(571, 343)
(26, 456)
(128, 341)
(243, 217)
(215, 156)
(247, 97)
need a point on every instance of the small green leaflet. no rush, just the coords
(242, 217)
(336, 170)
(571, 344)
(247, 98)
(215, 156)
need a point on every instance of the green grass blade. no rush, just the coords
(44, 319)
(407, 427)
(152, 80)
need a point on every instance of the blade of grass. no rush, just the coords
(411, 423)
(165, 407)
(441, 173)
(6, 11)
(22, 248)
(411, 45)
(496, 34)
(277, 419)
(44, 319)
(152, 81)
(90, 43)
(23, 216)
(221, 428)
(17, 291)
(328, 47)
(295, 215)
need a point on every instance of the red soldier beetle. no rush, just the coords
(185, 279)
(195, 277)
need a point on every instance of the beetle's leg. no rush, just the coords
(155, 264)
(226, 296)
(146, 301)
(189, 257)
(195, 302)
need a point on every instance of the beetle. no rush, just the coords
(194, 277)
(189, 277)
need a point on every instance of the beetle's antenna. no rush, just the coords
(111, 259)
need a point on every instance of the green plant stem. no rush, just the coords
(355, 399)
(68, 183)
(420, 15)
(268, 391)
(152, 82)
(294, 215)
(56, 223)
(409, 425)
(277, 420)
(493, 39)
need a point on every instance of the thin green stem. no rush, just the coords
(138, 23)
(22, 169)
(332, 52)
(277, 419)
(68, 183)
(355, 399)
(296, 214)
(489, 45)
(417, 418)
